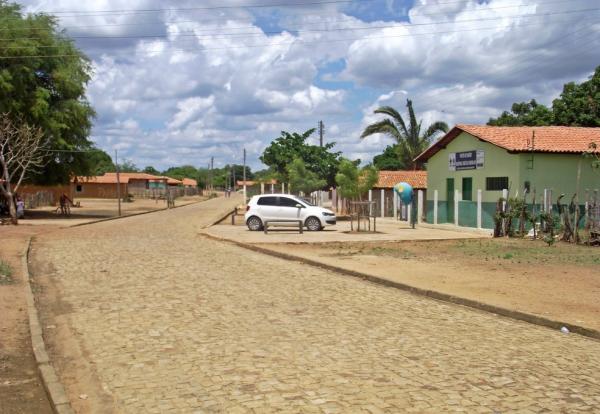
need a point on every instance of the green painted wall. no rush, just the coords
(557, 172)
(497, 163)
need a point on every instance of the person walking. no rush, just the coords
(65, 205)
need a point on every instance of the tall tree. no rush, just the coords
(320, 160)
(301, 179)
(409, 137)
(578, 105)
(42, 83)
(389, 159)
(353, 181)
(151, 170)
(524, 113)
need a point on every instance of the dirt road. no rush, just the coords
(149, 317)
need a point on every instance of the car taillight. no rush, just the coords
(247, 208)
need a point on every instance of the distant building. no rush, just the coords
(388, 179)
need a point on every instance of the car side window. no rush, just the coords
(287, 202)
(267, 201)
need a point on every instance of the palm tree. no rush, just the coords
(409, 140)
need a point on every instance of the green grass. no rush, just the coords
(527, 251)
(5, 274)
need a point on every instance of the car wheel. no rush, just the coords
(254, 224)
(313, 224)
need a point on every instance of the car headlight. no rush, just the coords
(328, 214)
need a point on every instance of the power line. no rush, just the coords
(297, 40)
(398, 25)
(78, 13)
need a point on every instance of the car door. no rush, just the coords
(267, 207)
(288, 209)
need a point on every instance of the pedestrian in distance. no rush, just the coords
(65, 205)
(20, 208)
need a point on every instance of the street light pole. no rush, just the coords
(118, 182)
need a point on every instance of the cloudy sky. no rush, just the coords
(176, 82)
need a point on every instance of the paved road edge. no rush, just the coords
(443, 297)
(54, 389)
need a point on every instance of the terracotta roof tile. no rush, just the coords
(189, 182)
(387, 179)
(560, 139)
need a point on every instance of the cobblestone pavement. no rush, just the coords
(173, 322)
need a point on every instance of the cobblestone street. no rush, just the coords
(173, 322)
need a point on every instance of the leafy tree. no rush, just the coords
(151, 170)
(99, 162)
(578, 105)
(389, 159)
(354, 181)
(411, 142)
(42, 83)
(302, 179)
(319, 160)
(127, 166)
(179, 173)
(524, 113)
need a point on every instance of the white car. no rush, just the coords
(285, 207)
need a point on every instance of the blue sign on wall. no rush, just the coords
(466, 160)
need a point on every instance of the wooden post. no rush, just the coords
(479, 207)
(435, 206)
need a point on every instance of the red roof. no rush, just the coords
(559, 139)
(388, 179)
(124, 178)
(188, 182)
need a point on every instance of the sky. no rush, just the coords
(179, 82)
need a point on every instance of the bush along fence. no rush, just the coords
(565, 220)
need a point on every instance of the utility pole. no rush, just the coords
(321, 132)
(233, 177)
(212, 165)
(118, 182)
(244, 176)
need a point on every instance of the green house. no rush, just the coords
(475, 161)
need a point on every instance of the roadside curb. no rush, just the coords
(54, 389)
(134, 214)
(443, 297)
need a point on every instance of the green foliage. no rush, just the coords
(179, 173)
(99, 162)
(301, 179)
(389, 160)
(410, 139)
(524, 113)
(578, 105)
(46, 92)
(221, 177)
(355, 182)
(127, 166)
(151, 170)
(288, 147)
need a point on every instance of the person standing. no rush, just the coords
(20, 208)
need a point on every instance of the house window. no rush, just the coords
(467, 188)
(79, 188)
(527, 187)
(496, 183)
